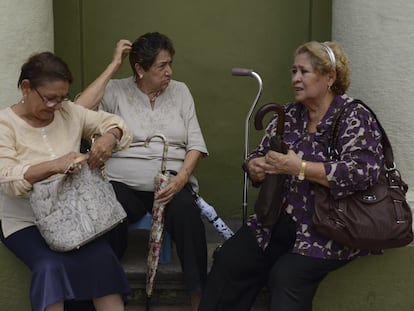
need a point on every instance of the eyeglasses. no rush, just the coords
(52, 102)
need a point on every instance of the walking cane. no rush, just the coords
(243, 72)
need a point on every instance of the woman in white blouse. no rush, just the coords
(151, 102)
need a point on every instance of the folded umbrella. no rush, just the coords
(269, 204)
(210, 213)
(161, 180)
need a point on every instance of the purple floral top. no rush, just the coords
(359, 166)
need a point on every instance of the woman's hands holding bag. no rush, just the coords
(70, 163)
(77, 161)
(102, 147)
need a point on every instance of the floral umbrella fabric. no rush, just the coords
(161, 180)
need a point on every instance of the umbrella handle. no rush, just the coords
(278, 109)
(164, 152)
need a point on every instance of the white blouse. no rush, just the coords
(173, 116)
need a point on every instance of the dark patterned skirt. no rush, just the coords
(91, 272)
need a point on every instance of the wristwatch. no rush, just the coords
(301, 175)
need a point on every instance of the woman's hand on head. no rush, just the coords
(279, 163)
(122, 49)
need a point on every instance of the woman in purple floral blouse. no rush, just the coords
(291, 257)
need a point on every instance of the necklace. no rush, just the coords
(153, 98)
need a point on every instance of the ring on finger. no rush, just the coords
(72, 167)
(69, 169)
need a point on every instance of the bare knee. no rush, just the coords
(55, 307)
(112, 302)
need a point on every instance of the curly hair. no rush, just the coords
(321, 63)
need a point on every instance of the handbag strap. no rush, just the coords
(387, 149)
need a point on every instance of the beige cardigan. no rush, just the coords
(22, 145)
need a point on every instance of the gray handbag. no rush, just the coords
(74, 209)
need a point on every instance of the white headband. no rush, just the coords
(330, 53)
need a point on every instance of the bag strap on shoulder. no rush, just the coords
(387, 149)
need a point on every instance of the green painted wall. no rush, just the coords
(210, 38)
(14, 282)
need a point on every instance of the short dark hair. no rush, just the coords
(145, 49)
(44, 67)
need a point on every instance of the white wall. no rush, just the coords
(378, 36)
(26, 27)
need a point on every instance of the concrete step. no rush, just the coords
(178, 307)
(169, 292)
(168, 285)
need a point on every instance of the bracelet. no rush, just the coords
(301, 175)
(116, 141)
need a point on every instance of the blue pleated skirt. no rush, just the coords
(90, 272)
